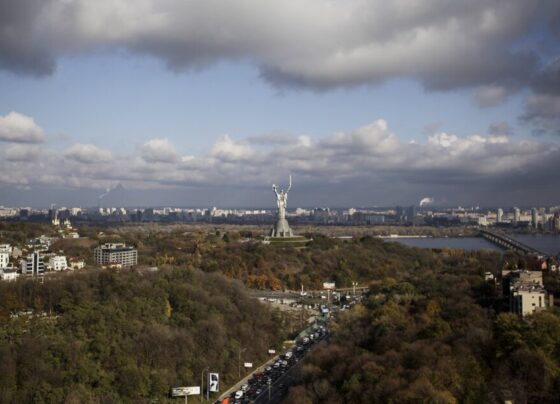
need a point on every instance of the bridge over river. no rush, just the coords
(509, 243)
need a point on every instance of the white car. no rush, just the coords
(238, 394)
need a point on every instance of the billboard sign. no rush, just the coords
(213, 382)
(329, 285)
(271, 351)
(185, 391)
(248, 365)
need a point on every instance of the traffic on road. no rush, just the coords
(274, 380)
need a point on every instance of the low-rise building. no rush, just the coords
(528, 299)
(111, 254)
(76, 264)
(526, 291)
(9, 274)
(58, 263)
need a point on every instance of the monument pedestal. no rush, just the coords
(282, 229)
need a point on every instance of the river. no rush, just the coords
(547, 243)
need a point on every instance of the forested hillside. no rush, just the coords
(431, 329)
(430, 334)
(125, 337)
(271, 267)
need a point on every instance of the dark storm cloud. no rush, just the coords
(542, 106)
(21, 46)
(318, 44)
(547, 81)
(500, 128)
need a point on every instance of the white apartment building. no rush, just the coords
(4, 259)
(114, 254)
(58, 263)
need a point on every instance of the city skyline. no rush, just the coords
(198, 103)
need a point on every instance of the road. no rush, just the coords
(280, 372)
(293, 294)
(280, 387)
(279, 377)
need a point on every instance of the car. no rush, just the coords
(245, 387)
(238, 394)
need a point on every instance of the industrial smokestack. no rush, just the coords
(103, 195)
(426, 201)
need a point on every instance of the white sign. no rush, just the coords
(329, 285)
(185, 391)
(272, 351)
(213, 382)
(248, 365)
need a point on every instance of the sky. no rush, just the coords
(208, 103)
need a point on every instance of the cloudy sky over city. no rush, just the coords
(205, 102)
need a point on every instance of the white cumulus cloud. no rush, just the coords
(159, 150)
(19, 128)
(87, 154)
(227, 149)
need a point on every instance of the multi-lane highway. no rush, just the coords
(270, 385)
(271, 382)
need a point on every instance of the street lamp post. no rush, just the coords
(239, 361)
(202, 384)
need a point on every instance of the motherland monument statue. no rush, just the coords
(282, 229)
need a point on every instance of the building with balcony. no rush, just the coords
(33, 265)
(114, 254)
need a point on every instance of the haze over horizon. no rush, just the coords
(206, 103)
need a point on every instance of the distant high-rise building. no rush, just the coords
(534, 218)
(556, 221)
(499, 215)
(23, 214)
(411, 213)
(516, 215)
